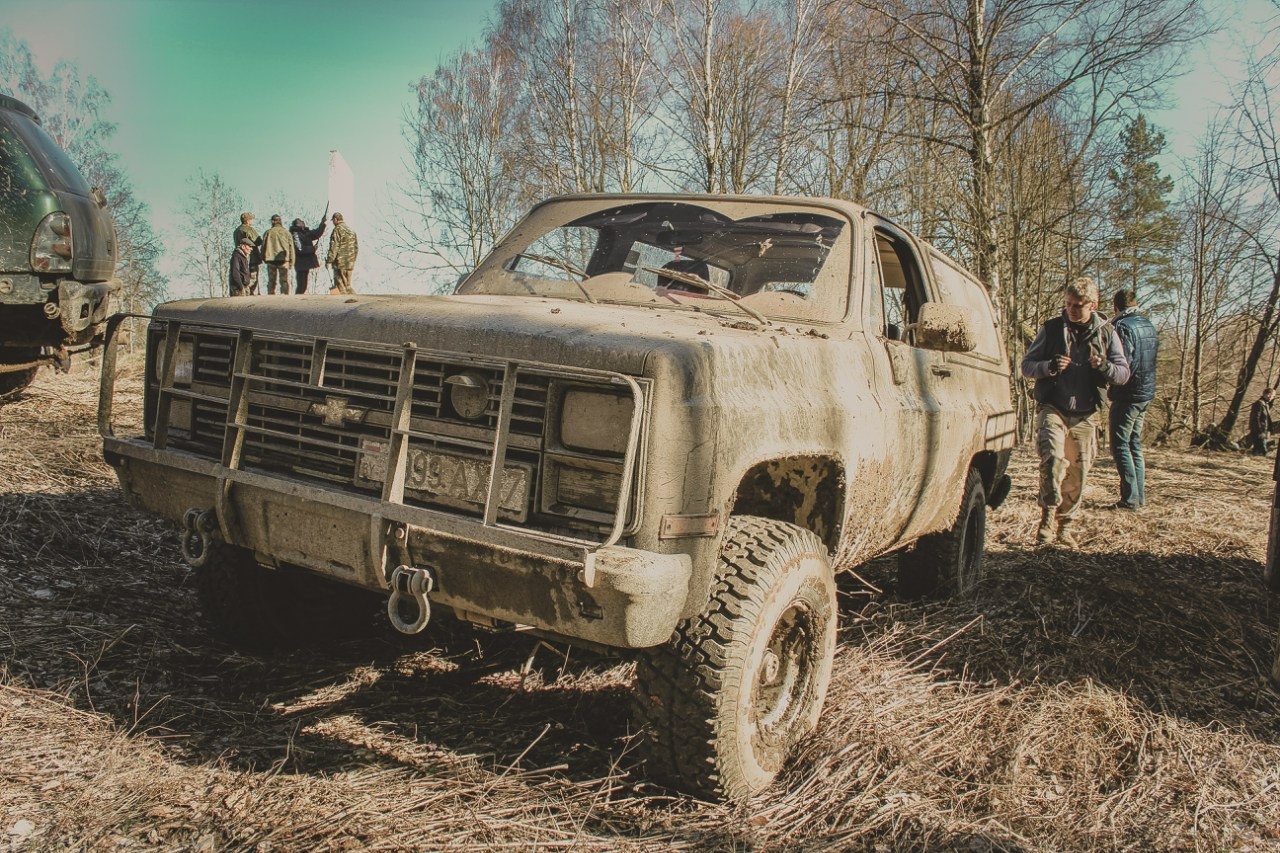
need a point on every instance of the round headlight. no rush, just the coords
(468, 394)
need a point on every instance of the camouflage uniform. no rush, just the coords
(343, 248)
(248, 232)
(277, 252)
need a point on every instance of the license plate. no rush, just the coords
(451, 480)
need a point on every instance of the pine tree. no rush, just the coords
(1145, 231)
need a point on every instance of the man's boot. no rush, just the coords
(1044, 533)
(1065, 536)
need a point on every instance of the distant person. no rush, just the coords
(343, 248)
(1071, 356)
(238, 277)
(245, 230)
(1129, 401)
(304, 249)
(1260, 423)
(277, 254)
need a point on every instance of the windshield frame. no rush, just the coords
(828, 302)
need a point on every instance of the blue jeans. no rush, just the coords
(1125, 436)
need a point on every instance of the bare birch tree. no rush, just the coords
(1258, 161)
(210, 213)
(992, 64)
(465, 187)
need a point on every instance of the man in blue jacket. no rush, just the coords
(1129, 401)
(1072, 355)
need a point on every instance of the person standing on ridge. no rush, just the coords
(304, 248)
(277, 253)
(245, 230)
(238, 276)
(343, 248)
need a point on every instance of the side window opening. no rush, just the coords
(903, 286)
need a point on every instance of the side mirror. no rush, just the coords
(947, 328)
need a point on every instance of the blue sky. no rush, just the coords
(259, 92)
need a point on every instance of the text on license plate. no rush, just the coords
(457, 481)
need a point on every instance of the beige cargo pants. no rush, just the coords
(342, 280)
(1067, 447)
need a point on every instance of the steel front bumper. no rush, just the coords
(611, 595)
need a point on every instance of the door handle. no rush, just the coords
(940, 370)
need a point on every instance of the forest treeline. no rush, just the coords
(1013, 134)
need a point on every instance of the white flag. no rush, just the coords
(342, 190)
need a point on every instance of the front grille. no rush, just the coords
(370, 376)
(325, 411)
(283, 361)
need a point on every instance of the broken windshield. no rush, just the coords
(765, 259)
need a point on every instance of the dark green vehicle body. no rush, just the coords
(57, 250)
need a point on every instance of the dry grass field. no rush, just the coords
(1111, 698)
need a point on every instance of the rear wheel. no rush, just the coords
(727, 698)
(257, 609)
(949, 562)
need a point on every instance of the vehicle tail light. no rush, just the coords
(51, 247)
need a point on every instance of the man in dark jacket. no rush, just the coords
(1260, 423)
(1129, 401)
(238, 278)
(1070, 357)
(304, 245)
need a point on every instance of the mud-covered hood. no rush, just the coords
(553, 331)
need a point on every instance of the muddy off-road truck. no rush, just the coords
(653, 423)
(57, 252)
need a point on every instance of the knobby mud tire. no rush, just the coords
(259, 610)
(949, 563)
(724, 702)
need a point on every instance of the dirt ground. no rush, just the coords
(1111, 698)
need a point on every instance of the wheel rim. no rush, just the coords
(971, 554)
(784, 678)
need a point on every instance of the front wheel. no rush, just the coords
(949, 562)
(727, 698)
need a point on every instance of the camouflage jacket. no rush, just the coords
(255, 254)
(277, 246)
(342, 248)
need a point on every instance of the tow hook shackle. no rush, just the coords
(410, 585)
(198, 526)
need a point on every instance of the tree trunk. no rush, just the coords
(1266, 328)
